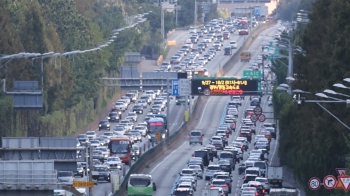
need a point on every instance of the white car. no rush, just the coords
(95, 143)
(142, 102)
(114, 163)
(121, 106)
(132, 115)
(104, 150)
(109, 134)
(142, 130)
(193, 30)
(208, 39)
(91, 135)
(125, 99)
(233, 44)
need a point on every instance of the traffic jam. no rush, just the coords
(116, 142)
(216, 161)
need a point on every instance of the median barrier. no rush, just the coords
(155, 152)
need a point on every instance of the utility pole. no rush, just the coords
(162, 23)
(195, 13)
(90, 167)
(176, 12)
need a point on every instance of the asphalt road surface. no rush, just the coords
(165, 170)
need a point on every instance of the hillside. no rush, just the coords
(72, 93)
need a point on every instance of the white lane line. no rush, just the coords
(205, 107)
(166, 157)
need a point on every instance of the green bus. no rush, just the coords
(140, 185)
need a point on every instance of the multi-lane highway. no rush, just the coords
(176, 112)
(165, 170)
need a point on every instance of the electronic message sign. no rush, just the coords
(224, 86)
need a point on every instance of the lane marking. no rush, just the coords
(166, 158)
(205, 107)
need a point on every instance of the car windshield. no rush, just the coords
(90, 133)
(132, 114)
(225, 155)
(217, 182)
(108, 133)
(213, 168)
(187, 171)
(195, 133)
(95, 141)
(82, 136)
(140, 182)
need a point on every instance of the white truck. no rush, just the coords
(275, 175)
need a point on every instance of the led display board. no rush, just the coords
(224, 86)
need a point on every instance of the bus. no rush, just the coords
(140, 185)
(200, 72)
(155, 125)
(243, 27)
(163, 116)
(121, 147)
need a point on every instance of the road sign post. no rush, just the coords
(175, 87)
(341, 171)
(185, 87)
(83, 184)
(257, 110)
(261, 117)
(314, 183)
(329, 182)
(345, 181)
(252, 74)
(254, 117)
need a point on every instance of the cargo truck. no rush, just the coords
(283, 192)
(275, 175)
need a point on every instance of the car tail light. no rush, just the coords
(190, 137)
(256, 194)
(240, 135)
(266, 182)
(201, 137)
(263, 191)
(212, 186)
(225, 187)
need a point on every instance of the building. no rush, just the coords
(243, 6)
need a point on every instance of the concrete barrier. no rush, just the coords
(159, 60)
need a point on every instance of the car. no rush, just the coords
(147, 98)
(122, 106)
(196, 136)
(101, 173)
(188, 172)
(132, 115)
(226, 166)
(211, 169)
(91, 135)
(138, 109)
(142, 130)
(249, 177)
(104, 124)
(217, 47)
(156, 109)
(183, 191)
(97, 154)
(114, 163)
(83, 139)
(233, 44)
(65, 177)
(113, 117)
(220, 183)
(104, 150)
(95, 143)
(166, 65)
(264, 182)
(197, 169)
(135, 152)
(269, 101)
(225, 176)
(137, 134)
(142, 102)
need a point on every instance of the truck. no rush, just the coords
(275, 175)
(210, 192)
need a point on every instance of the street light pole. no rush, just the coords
(195, 13)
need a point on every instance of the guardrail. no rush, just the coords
(155, 152)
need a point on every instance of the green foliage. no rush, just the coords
(186, 14)
(224, 13)
(286, 9)
(72, 95)
(312, 142)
